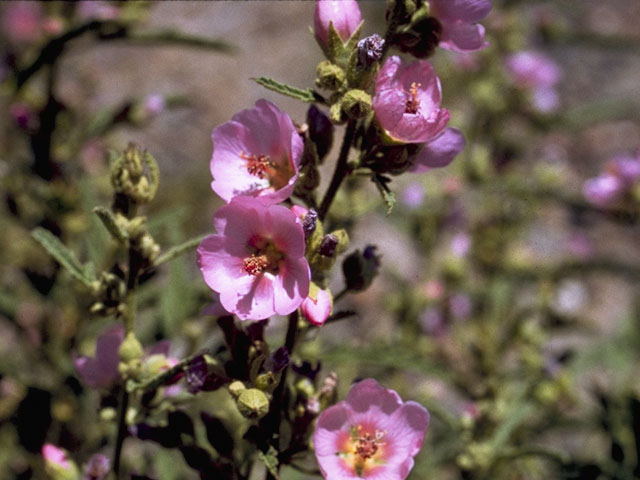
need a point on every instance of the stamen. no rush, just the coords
(367, 445)
(255, 264)
(258, 165)
(412, 103)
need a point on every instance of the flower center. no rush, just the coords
(264, 257)
(363, 449)
(259, 166)
(255, 264)
(412, 104)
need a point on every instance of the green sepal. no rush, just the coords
(338, 51)
(388, 196)
(65, 257)
(306, 95)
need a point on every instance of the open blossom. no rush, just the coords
(343, 14)
(256, 154)
(101, 370)
(22, 21)
(256, 260)
(372, 435)
(459, 19)
(407, 101)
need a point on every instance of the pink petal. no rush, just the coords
(368, 393)
(440, 151)
(288, 235)
(292, 285)
(470, 11)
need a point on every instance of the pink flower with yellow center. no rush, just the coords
(256, 154)
(373, 434)
(256, 259)
(407, 101)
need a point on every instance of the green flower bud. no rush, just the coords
(253, 403)
(134, 174)
(336, 115)
(330, 76)
(356, 104)
(130, 349)
(236, 388)
(267, 382)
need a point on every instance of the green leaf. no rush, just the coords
(64, 256)
(388, 196)
(270, 460)
(109, 221)
(306, 95)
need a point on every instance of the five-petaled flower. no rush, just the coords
(459, 19)
(256, 259)
(256, 154)
(407, 101)
(372, 435)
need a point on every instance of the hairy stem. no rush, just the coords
(340, 172)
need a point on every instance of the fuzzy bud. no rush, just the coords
(134, 174)
(330, 77)
(343, 15)
(360, 269)
(370, 50)
(356, 104)
(309, 223)
(253, 403)
(320, 130)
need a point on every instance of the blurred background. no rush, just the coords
(507, 300)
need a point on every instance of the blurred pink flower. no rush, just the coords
(407, 101)
(371, 435)
(539, 73)
(317, 310)
(154, 104)
(256, 260)
(604, 190)
(56, 456)
(97, 9)
(256, 154)
(343, 14)
(22, 21)
(412, 195)
(625, 167)
(459, 19)
(101, 371)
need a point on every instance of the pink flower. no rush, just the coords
(101, 371)
(439, 152)
(459, 20)
(372, 435)
(539, 73)
(56, 456)
(22, 21)
(407, 101)
(256, 260)
(317, 310)
(343, 14)
(256, 154)
(603, 191)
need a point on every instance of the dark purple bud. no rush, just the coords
(328, 245)
(97, 467)
(306, 369)
(199, 378)
(370, 50)
(309, 223)
(320, 130)
(277, 361)
(360, 269)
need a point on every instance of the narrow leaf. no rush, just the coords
(109, 221)
(306, 95)
(61, 253)
(270, 460)
(387, 195)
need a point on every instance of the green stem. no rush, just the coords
(340, 172)
(122, 428)
(178, 250)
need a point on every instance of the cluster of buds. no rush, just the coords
(134, 177)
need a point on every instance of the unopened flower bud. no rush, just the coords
(370, 50)
(309, 223)
(336, 114)
(134, 174)
(343, 15)
(267, 382)
(316, 308)
(328, 391)
(361, 268)
(97, 467)
(253, 403)
(320, 130)
(356, 104)
(236, 388)
(57, 463)
(330, 76)
(328, 245)
(130, 349)
(149, 248)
